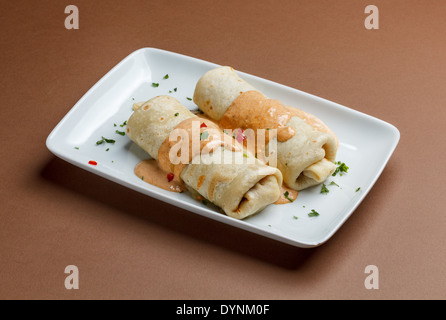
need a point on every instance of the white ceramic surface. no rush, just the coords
(365, 144)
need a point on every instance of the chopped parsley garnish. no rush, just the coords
(107, 149)
(204, 135)
(105, 140)
(123, 124)
(155, 85)
(342, 168)
(313, 213)
(286, 195)
(245, 155)
(190, 99)
(166, 77)
(334, 184)
(324, 189)
(358, 189)
(175, 89)
(295, 218)
(77, 148)
(122, 133)
(176, 114)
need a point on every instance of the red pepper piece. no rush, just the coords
(170, 176)
(240, 136)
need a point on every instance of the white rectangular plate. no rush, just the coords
(365, 144)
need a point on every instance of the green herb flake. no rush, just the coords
(176, 114)
(334, 184)
(341, 169)
(114, 125)
(105, 140)
(123, 124)
(295, 218)
(245, 155)
(166, 77)
(324, 189)
(204, 135)
(122, 133)
(204, 202)
(313, 213)
(286, 195)
(175, 89)
(107, 149)
(358, 189)
(108, 140)
(190, 99)
(77, 148)
(155, 85)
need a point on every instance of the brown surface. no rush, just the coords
(127, 245)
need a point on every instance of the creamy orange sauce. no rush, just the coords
(200, 181)
(149, 171)
(194, 127)
(166, 175)
(292, 194)
(251, 109)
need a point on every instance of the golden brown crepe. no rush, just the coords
(306, 147)
(239, 189)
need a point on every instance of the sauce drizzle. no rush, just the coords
(149, 171)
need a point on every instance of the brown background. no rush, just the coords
(129, 246)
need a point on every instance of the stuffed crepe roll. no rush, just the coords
(239, 189)
(306, 147)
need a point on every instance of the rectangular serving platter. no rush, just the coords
(365, 144)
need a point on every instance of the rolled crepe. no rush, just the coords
(306, 147)
(240, 190)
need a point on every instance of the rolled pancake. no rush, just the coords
(216, 90)
(305, 159)
(240, 190)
